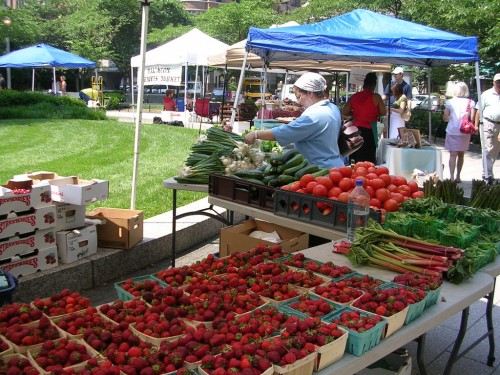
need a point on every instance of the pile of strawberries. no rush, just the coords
(422, 282)
(54, 355)
(338, 292)
(62, 303)
(386, 302)
(31, 334)
(18, 313)
(18, 364)
(141, 288)
(314, 307)
(357, 321)
(298, 260)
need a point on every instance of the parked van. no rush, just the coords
(191, 88)
(251, 88)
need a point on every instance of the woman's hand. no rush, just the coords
(250, 137)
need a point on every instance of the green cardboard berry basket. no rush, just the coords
(359, 343)
(126, 296)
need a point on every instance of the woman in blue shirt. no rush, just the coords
(315, 133)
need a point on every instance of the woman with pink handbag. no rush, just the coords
(456, 141)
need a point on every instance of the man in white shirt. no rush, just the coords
(490, 108)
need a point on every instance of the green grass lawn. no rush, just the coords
(102, 150)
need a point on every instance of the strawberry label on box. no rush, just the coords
(41, 218)
(20, 245)
(41, 260)
(17, 200)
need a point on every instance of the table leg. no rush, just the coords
(420, 354)
(489, 324)
(174, 219)
(460, 337)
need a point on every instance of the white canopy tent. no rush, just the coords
(190, 49)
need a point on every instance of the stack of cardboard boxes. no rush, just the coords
(42, 221)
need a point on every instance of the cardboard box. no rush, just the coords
(75, 191)
(24, 244)
(40, 260)
(122, 228)
(70, 189)
(41, 218)
(38, 197)
(76, 244)
(396, 363)
(236, 238)
(69, 216)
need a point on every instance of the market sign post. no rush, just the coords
(163, 75)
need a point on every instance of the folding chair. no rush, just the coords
(202, 109)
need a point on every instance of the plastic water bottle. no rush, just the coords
(358, 208)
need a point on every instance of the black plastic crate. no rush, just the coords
(241, 191)
(315, 210)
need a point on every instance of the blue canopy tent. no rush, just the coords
(365, 36)
(43, 56)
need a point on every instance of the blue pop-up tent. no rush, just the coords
(366, 36)
(362, 35)
(44, 56)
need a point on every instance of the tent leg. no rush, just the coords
(238, 91)
(481, 133)
(430, 103)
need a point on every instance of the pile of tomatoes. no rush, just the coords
(386, 191)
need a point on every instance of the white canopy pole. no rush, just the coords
(140, 94)
(430, 101)
(480, 109)
(131, 84)
(238, 90)
(33, 80)
(186, 77)
(263, 79)
(54, 85)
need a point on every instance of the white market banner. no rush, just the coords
(357, 76)
(163, 75)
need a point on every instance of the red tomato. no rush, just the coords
(398, 197)
(390, 205)
(303, 191)
(382, 194)
(413, 186)
(375, 202)
(382, 170)
(305, 179)
(325, 181)
(295, 186)
(334, 192)
(377, 183)
(386, 178)
(321, 205)
(286, 187)
(346, 171)
(360, 171)
(319, 190)
(345, 184)
(405, 190)
(370, 191)
(343, 197)
(334, 169)
(327, 210)
(335, 176)
(371, 175)
(417, 194)
(372, 170)
(392, 188)
(398, 180)
(310, 186)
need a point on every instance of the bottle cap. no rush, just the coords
(359, 183)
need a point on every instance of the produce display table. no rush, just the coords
(209, 211)
(313, 229)
(454, 298)
(402, 161)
